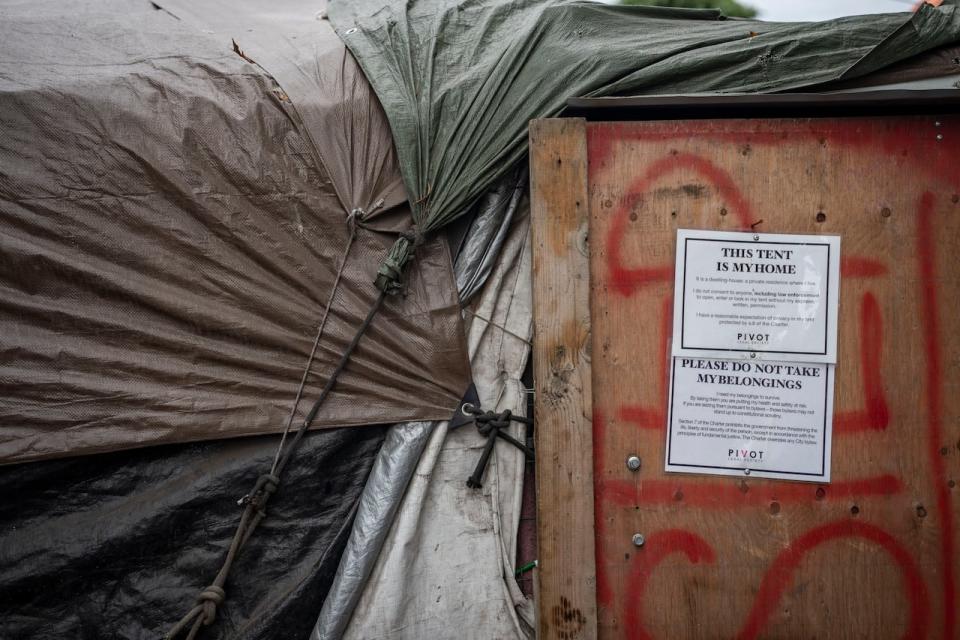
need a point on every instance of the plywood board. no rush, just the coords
(871, 555)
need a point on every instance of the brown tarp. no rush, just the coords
(172, 216)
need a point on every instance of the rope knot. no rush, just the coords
(208, 599)
(489, 420)
(266, 486)
(483, 420)
(267, 483)
(502, 420)
(413, 235)
(355, 216)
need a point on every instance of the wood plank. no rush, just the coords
(870, 555)
(566, 577)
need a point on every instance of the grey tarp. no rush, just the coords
(447, 565)
(460, 80)
(936, 66)
(492, 231)
(172, 217)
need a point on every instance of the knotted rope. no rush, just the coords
(254, 504)
(493, 425)
(390, 274)
(204, 611)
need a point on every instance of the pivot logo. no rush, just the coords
(744, 454)
(753, 338)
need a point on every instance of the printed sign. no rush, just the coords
(750, 418)
(760, 296)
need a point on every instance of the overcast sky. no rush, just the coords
(796, 10)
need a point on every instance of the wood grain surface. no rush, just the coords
(566, 577)
(871, 555)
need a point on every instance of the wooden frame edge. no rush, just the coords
(566, 576)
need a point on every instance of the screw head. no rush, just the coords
(756, 236)
(746, 472)
(639, 540)
(937, 123)
(753, 354)
(939, 136)
(633, 463)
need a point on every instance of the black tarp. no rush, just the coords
(118, 545)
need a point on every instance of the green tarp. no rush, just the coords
(460, 80)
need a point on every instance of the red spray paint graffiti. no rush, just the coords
(627, 280)
(778, 578)
(658, 546)
(876, 416)
(780, 575)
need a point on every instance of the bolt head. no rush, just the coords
(639, 540)
(633, 463)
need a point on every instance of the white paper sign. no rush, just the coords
(745, 295)
(750, 418)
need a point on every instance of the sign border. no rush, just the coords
(683, 299)
(760, 472)
(831, 299)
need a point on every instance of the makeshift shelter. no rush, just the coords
(169, 288)
(172, 229)
(178, 185)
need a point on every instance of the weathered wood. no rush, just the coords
(871, 555)
(566, 577)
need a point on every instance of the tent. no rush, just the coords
(172, 228)
(180, 185)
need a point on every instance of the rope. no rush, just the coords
(298, 436)
(204, 611)
(352, 222)
(493, 425)
(498, 326)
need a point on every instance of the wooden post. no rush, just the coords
(567, 605)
